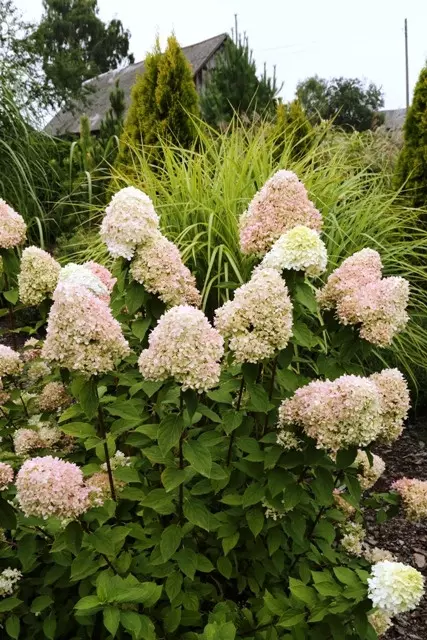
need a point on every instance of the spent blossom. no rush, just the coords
(394, 400)
(300, 249)
(130, 220)
(82, 334)
(10, 362)
(258, 321)
(353, 535)
(158, 266)
(53, 396)
(43, 437)
(380, 621)
(414, 497)
(6, 475)
(288, 440)
(376, 554)
(337, 414)
(9, 579)
(368, 473)
(395, 587)
(12, 227)
(281, 204)
(38, 275)
(51, 487)
(183, 346)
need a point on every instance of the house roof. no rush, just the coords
(98, 101)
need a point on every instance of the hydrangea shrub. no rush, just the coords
(167, 475)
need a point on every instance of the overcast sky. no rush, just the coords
(362, 39)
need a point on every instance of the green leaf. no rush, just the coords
(345, 458)
(88, 605)
(199, 457)
(8, 604)
(170, 430)
(353, 486)
(253, 494)
(302, 592)
(255, 519)
(305, 296)
(11, 296)
(231, 420)
(7, 515)
(172, 478)
(88, 398)
(196, 512)
(159, 501)
(40, 604)
(135, 297)
(49, 627)
(224, 567)
(13, 627)
(111, 616)
(287, 379)
(187, 562)
(173, 585)
(221, 396)
(79, 429)
(140, 327)
(131, 621)
(347, 576)
(191, 399)
(323, 487)
(146, 593)
(170, 541)
(303, 336)
(258, 398)
(291, 619)
(232, 499)
(229, 542)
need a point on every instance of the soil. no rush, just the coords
(406, 540)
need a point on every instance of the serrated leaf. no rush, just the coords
(49, 627)
(11, 296)
(13, 627)
(255, 519)
(173, 585)
(40, 603)
(159, 501)
(303, 592)
(199, 457)
(229, 542)
(79, 429)
(291, 619)
(170, 430)
(111, 617)
(224, 567)
(170, 541)
(187, 562)
(196, 512)
(253, 494)
(88, 605)
(140, 327)
(172, 478)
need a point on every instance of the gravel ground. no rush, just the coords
(408, 541)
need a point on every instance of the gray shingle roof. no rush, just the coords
(394, 119)
(98, 102)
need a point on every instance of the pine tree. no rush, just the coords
(112, 124)
(412, 164)
(234, 86)
(292, 129)
(176, 97)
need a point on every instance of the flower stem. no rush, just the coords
(181, 462)
(11, 315)
(239, 402)
(102, 431)
(270, 391)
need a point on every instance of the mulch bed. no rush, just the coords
(406, 540)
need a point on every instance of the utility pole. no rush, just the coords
(406, 64)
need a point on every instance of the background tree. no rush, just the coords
(347, 101)
(412, 164)
(176, 96)
(75, 45)
(235, 87)
(292, 130)
(20, 76)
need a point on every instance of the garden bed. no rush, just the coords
(408, 541)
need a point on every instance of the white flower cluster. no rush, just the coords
(118, 460)
(8, 580)
(300, 249)
(395, 587)
(353, 535)
(78, 274)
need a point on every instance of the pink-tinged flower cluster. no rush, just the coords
(376, 554)
(27, 440)
(281, 204)
(394, 401)
(369, 473)
(99, 486)
(362, 297)
(158, 266)
(82, 334)
(12, 227)
(258, 321)
(79, 275)
(51, 487)
(380, 621)
(183, 346)
(414, 497)
(38, 276)
(130, 220)
(53, 396)
(6, 475)
(338, 414)
(32, 350)
(10, 362)
(101, 272)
